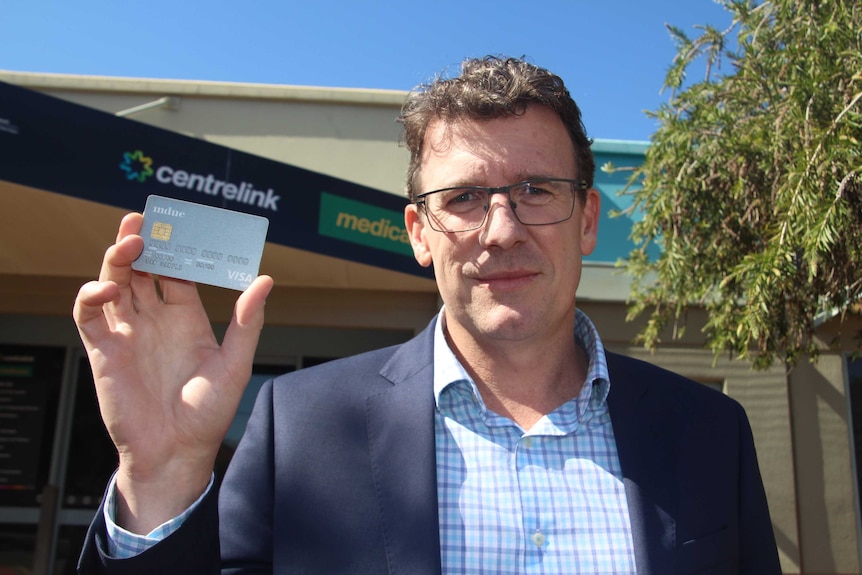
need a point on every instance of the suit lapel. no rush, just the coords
(643, 432)
(403, 458)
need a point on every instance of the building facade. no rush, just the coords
(326, 305)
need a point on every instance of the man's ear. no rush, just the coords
(590, 221)
(415, 224)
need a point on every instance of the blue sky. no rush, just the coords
(613, 54)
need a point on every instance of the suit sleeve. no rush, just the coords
(171, 556)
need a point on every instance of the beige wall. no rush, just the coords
(824, 471)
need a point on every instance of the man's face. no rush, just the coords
(505, 280)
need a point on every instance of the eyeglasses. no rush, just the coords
(536, 202)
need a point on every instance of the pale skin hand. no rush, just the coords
(167, 391)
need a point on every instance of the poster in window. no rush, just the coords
(30, 379)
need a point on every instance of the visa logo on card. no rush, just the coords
(201, 243)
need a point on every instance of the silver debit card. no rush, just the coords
(201, 243)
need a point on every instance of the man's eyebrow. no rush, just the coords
(536, 176)
(520, 177)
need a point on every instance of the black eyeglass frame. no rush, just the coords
(577, 186)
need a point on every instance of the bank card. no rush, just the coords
(201, 243)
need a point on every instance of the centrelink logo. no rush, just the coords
(138, 167)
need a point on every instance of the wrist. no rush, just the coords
(147, 499)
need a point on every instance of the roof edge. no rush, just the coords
(203, 88)
(632, 147)
(212, 89)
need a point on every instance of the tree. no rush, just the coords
(752, 183)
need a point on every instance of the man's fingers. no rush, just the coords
(241, 337)
(129, 225)
(250, 304)
(180, 292)
(117, 265)
(144, 294)
(88, 311)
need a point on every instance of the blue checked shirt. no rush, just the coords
(549, 500)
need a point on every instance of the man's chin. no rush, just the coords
(507, 323)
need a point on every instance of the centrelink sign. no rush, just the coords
(139, 167)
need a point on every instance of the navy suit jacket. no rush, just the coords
(337, 474)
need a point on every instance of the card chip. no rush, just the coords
(161, 231)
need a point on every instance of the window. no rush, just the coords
(854, 387)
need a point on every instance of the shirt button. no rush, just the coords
(528, 442)
(538, 538)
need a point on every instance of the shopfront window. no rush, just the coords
(854, 386)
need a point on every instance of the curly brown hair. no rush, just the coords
(489, 88)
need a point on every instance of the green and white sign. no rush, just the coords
(364, 224)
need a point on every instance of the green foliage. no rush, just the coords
(752, 184)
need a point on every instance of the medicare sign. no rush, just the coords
(364, 224)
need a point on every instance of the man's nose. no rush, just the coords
(502, 227)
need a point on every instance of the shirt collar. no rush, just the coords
(448, 370)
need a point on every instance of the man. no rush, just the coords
(503, 439)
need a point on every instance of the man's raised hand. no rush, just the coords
(167, 390)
